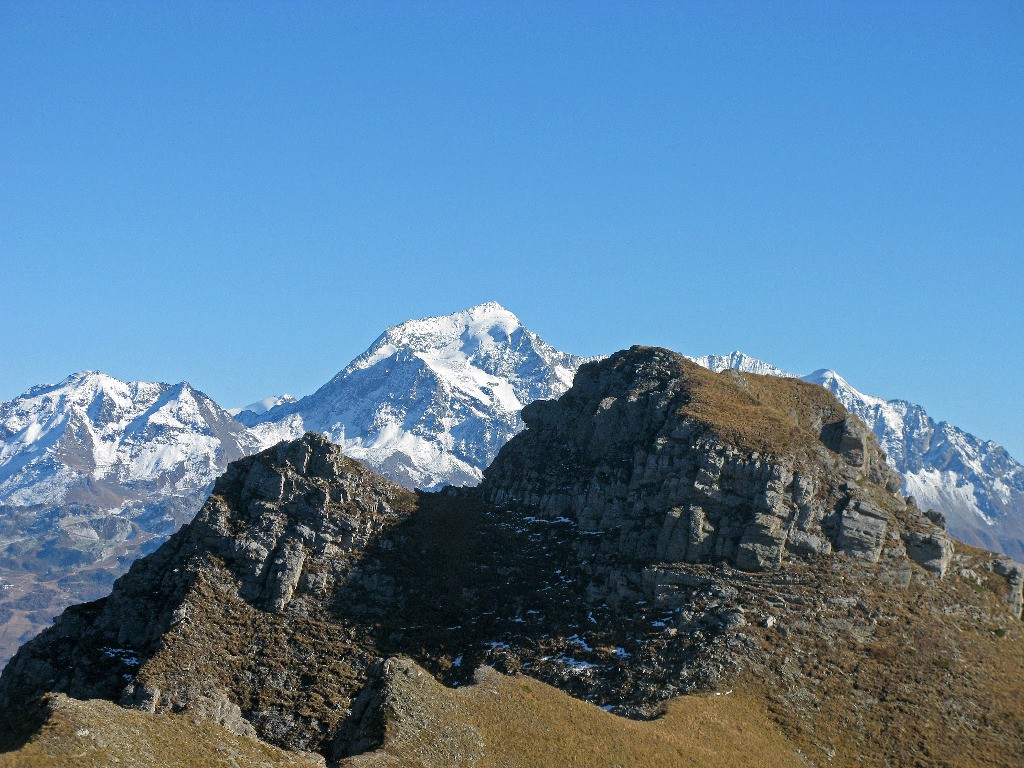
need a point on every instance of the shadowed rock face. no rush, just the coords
(643, 538)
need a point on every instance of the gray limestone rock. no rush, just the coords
(279, 528)
(862, 531)
(1014, 573)
(284, 575)
(651, 485)
(932, 551)
(762, 544)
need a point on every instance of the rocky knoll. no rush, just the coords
(659, 530)
(211, 622)
(659, 460)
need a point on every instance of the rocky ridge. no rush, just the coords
(99, 472)
(658, 530)
(93, 473)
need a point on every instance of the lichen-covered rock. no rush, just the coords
(862, 530)
(1014, 574)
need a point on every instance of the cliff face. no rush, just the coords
(658, 530)
(660, 461)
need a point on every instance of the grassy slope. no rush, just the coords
(935, 682)
(501, 722)
(97, 734)
(519, 722)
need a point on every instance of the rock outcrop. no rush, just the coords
(659, 461)
(225, 613)
(1014, 574)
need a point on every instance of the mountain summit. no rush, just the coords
(98, 440)
(431, 401)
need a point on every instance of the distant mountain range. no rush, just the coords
(95, 471)
(92, 439)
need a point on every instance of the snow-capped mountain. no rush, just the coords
(248, 413)
(97, 440)
(974, 482)
(432, 401)
(740, 362)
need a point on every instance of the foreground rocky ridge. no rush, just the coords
(659, 530)
(733, 468)
(95, 472)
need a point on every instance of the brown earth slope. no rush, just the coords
(98, 734)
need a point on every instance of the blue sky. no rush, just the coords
(245, 195)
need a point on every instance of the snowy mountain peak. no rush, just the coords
(739, 361)
(432, 400)
(97, 439)
(852, 397)
(461, 334)
(475, 320)
(86, 384)
(828, 378)
(260, 407)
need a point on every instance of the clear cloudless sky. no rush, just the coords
(244, 195)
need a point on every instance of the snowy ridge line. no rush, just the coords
(428, 404)
(94, 437)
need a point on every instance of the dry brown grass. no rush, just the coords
(766, 414)
(519, 722)
(937, 683)
(98, 734)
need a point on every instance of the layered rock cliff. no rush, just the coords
(658, 460)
